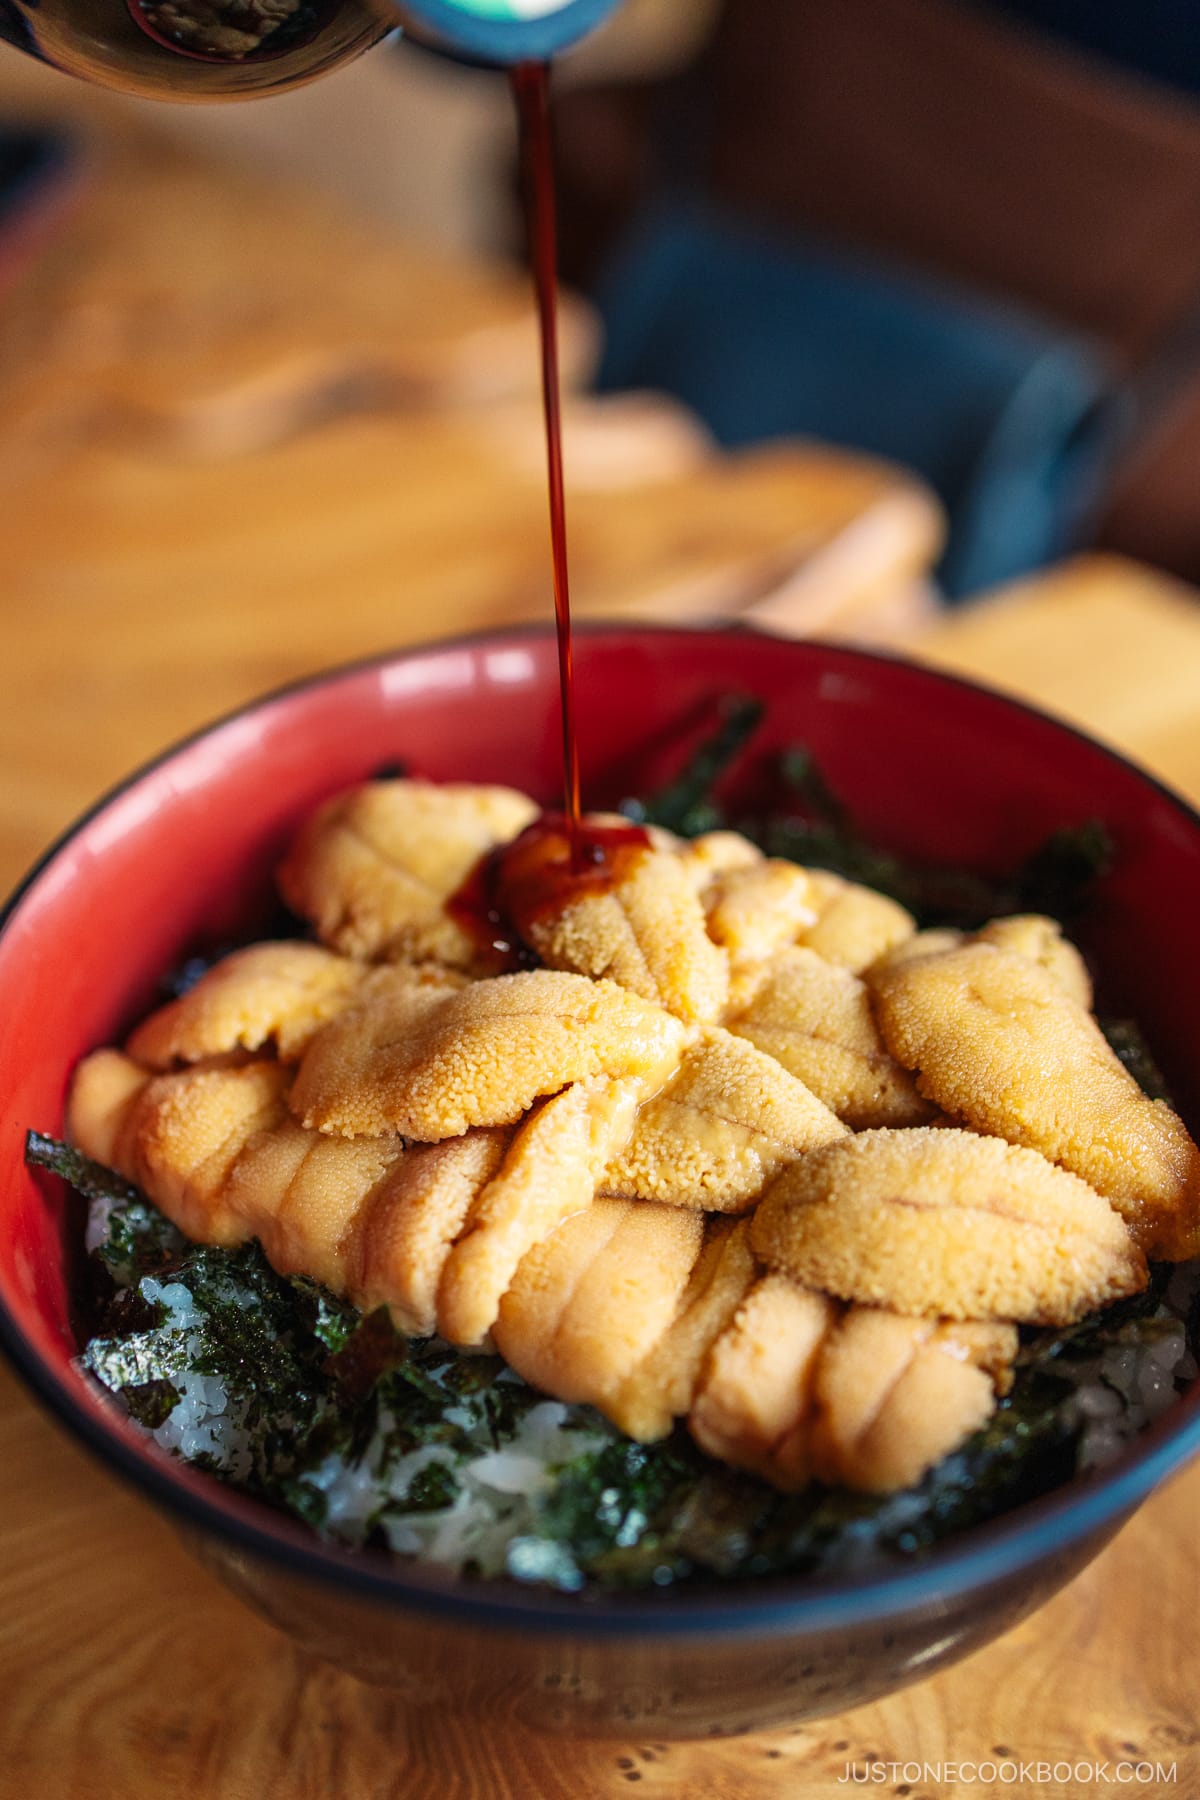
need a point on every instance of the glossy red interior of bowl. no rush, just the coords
(183, 853)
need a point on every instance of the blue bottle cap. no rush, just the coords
(503, 31)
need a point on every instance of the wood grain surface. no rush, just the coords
(147, 582)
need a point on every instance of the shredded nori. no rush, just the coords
(1131, 1049)
(89, 1178)
(802, 818)
(688, 805)
(151, 1403)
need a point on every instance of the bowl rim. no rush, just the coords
(1033, 1532)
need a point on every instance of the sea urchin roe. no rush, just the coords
(1042, 941)
(995, 1039)
(855, 926)
(409, 1225)
(410, 1445)
(190, 1130)
(374, 868)
(430, 1065)
(660, 1389)
(930, 942)
(621, 909)
(719, 1129)
(300, 1194)
(101, 1107)
(590, 1302)
(757, 907)
(893, 1395)
(815, 1020)
(753, 1405)
(550, 1171)
(713, 854)
(941, 1222)
(277, 993)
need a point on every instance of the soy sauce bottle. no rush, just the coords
(234, 49)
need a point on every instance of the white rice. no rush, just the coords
(100, 1211)
(1131, 1385)
(203, 1422)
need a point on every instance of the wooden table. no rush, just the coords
(181, 532)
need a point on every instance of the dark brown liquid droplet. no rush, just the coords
(540, 872)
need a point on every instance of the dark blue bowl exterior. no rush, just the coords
(685, 1684)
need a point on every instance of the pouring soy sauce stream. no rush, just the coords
(558, 857)
(531, 89)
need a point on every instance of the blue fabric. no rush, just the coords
(763, 338)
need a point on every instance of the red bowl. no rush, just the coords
(184, 851)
